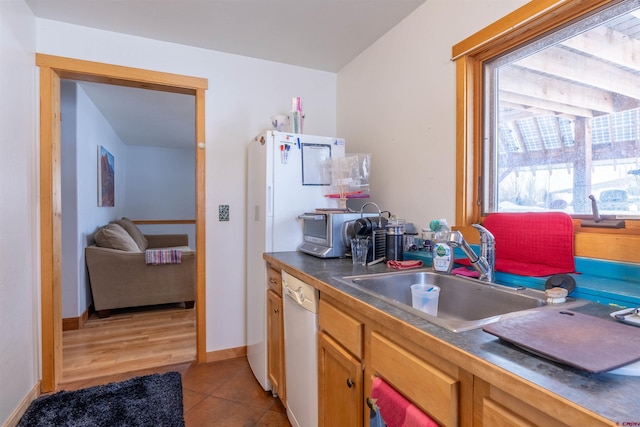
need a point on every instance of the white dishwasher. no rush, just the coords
(300, 351)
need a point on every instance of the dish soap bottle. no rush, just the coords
(442, 253)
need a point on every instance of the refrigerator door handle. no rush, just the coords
(269, 201)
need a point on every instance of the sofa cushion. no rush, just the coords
(113, 236)
(134, 232)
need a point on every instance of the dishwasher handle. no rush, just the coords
(297, 295)
(299, 292)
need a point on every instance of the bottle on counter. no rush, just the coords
(427, 241)
(395, 240)
(442, 252)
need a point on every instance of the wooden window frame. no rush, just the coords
(522, 25)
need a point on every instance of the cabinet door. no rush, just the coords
(427, 386)
(275, 344)
(340, 398)
(495, 415)
(498, 407)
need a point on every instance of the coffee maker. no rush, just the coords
(375, 229)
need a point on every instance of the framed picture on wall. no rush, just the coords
(106, 178)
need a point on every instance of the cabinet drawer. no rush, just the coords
(496, 415)
(342, 327)
(274, 280)
(426, 386)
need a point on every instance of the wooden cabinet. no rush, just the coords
(433, 390)
(275, 334)
(274, 279)
(340, 369)
(339, 385)
(515, 404)
(357, 342)
(496, 415)
(353, 349)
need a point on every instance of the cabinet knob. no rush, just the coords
(273, 281)
(275, 310)
(349, 383)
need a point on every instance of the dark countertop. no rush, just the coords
(609, 395)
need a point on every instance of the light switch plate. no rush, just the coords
(223, 212)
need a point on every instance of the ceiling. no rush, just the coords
(592, 74)
(319, 34)
(146, 117)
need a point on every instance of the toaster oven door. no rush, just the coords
(316, 228)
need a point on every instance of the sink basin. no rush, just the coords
(464, 303)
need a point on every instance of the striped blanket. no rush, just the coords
(163, 256)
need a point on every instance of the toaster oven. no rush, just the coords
(327, 234)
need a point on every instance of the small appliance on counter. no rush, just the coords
(395, 240)
(375, 228)
(327, 233)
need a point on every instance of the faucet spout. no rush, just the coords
(485, 262)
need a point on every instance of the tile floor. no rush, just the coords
(221, 393)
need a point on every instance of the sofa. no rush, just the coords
(130, 269)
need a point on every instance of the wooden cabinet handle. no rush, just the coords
(349, 383)
(272, 280)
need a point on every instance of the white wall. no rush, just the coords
(243, 94)
(161, 184)
(19, 265)
(397, 101)
(69, 197)
(83, 129)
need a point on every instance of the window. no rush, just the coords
(561, 118)
(549, 113)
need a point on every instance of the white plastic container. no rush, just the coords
(425, 298)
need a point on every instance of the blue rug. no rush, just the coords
(151, 400)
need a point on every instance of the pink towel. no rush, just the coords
(402, 265)
(464, 271)
(396, 411)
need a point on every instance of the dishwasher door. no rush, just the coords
(300, 351)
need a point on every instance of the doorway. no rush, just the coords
(52, 69)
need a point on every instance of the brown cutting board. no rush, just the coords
(575, 339)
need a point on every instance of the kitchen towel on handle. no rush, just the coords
(533, 243)
(396, 411)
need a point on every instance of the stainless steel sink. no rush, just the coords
(464, 303)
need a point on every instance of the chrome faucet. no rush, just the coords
(485, 264)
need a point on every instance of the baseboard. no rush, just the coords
(229, 353)
(17, 414)
(73, 323)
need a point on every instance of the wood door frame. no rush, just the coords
(52, 69)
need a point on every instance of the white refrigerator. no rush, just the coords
(286, 178)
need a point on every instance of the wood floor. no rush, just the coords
(129, 340)
(141, 342)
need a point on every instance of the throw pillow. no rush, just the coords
(115, 237)
(134, 232)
